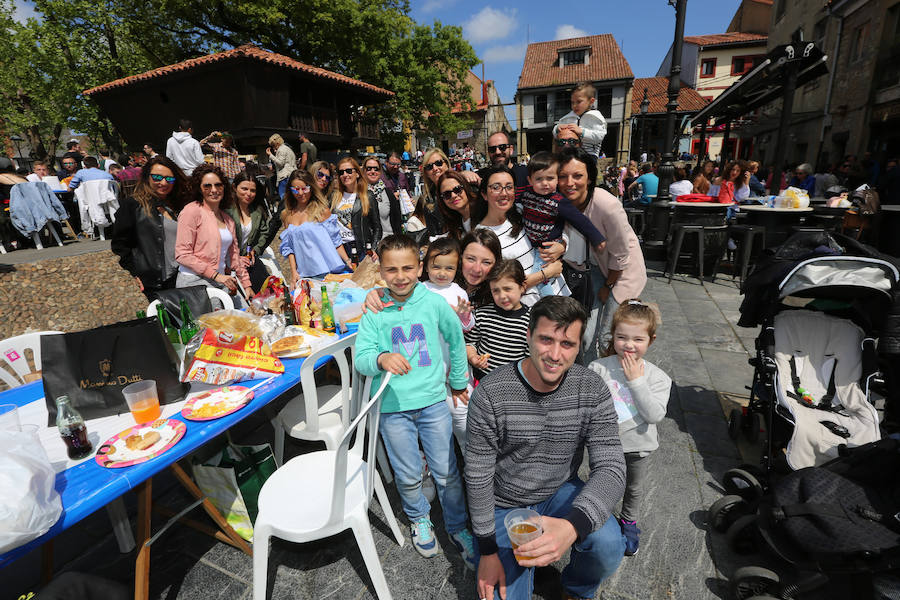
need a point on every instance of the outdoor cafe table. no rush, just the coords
(777, 221)
(88, 487)
(701, 213)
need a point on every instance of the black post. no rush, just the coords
(790, 84)
(659, 210)
(701, 151)
(723, 156)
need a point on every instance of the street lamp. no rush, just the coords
(666, 172)
(645, 105)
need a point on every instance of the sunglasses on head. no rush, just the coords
(500, 147)
(300, 190)
(568, 142)
(349, 171)
(373, 168)
(324, 176)
(438, 163)
(157, 178)
(456, 191)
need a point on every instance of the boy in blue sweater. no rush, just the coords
(405, 339)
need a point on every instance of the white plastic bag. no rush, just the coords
(29, 503)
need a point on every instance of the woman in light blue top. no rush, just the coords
(312, 240)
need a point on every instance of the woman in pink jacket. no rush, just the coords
(618, 273)
(205, 246)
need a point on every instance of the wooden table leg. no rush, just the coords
(210, 509)
(142, 564)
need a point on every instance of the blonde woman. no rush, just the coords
(356, 210)
(323, 174)
(311, 240)
(283, 161)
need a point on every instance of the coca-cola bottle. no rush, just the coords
(72, 429)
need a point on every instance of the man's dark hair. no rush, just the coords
(395, 154)
(503, 133)
(184, 124)
(72, 144)
(540, 161)
(562, 310)
(149, 145)
(90, 162)
(646, 168)
(397, 241)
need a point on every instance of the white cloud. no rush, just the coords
(490, 24)
(23, 10)
(499, 54)
(564, 32)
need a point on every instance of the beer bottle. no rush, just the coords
(290, 317)
(188, 325)
(354, 259)
(141, 314)
(327, 312)
(72, 429)
(171, 332)
(369, 252)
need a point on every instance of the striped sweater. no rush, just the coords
(500, 333)
(523, 445)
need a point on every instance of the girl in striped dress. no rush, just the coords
(500, 332)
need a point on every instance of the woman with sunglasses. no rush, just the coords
(311, 240)
(388, 204)
(144, 218)
(324, 175)
(251, 226)
(501, 217)
(356, 210)
(434, 164)
(460, 207)
(207, 245)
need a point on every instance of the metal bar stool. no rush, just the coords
(745, 234)
(682, 229)
(634, 215)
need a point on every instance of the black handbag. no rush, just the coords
(580, 284)
(91, 367)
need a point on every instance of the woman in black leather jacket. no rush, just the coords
(144, 231)
(356, 210)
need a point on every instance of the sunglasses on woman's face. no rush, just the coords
(157, 178)
(456, 191)
(349, 171)
(438, 163)
(373, 168)
(300, 190)
(324, 176)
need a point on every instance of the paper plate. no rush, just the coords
(115, 453)
(217, 403)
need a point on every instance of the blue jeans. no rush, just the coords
(282, 188)
(401, 432)
(592, 560)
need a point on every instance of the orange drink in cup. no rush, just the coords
(143, 401)
(522, 526)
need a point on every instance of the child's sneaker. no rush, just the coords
(423, 537)
(464, 542)
(631, 532)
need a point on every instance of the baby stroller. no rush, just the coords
(820, 301)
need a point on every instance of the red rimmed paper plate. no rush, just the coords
(140, 443)
(217, 403)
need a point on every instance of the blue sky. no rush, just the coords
(500, 31)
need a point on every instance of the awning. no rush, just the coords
(766, 82)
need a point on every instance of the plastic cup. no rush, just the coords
(143, 401)
(522, 525)
(9, 418)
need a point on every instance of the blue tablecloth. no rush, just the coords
(88, 487)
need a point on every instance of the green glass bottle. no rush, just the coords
(141, 314)
(189, 327)
(171, 332)
(327, 312)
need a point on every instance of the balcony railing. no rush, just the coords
(314, 119)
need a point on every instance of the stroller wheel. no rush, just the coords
(741, 535)
(750, 582)
(726, 510)
(755, 426)
(742, 483)
(735, 423)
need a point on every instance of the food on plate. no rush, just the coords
(288, 344)
(338, 276)
(235, 322)
(142, 442)
(209, 410)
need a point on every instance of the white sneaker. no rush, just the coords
(423, 539)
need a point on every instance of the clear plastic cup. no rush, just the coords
(9, 418)
(143, 401)
(522, 526)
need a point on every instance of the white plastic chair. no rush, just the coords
(271, 263)
(12, 353)
(213, 293)
(323, 493)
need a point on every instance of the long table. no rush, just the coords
(88, 487)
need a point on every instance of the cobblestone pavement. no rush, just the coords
(699, 345)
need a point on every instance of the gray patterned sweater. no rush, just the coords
(523, 445)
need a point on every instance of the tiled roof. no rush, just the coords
(541, 58)
(724, 39)
(246, 51)
(658, 94)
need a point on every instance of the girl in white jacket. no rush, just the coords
(640, 392)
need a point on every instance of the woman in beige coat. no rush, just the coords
(618, 273)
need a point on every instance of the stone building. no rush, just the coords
(549, 74)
